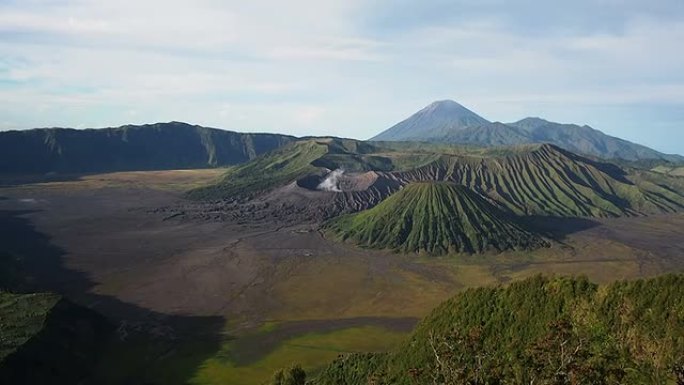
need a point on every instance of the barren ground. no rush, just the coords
(254, 291)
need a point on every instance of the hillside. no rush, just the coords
(488, 135)
(546, 180)
(46, 339)
(587, 140)
(674, 171)
(307, 159)
(149, 147)
(448, 122)
(520, 180)
(266, 172)
(541, 330)
(436, 218)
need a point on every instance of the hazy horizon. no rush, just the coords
(343, 68)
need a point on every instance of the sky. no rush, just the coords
(348, 68)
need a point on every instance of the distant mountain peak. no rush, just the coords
(531, 123)
(447, 106)
(435, 121)
(444, 104)
(447, 121)
(533, 119)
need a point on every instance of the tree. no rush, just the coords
(295, 375)
(679, 372)
(460, 358)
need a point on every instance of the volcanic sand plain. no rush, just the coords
(209, 302)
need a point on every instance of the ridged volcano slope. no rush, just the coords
(550, 181)
(436, 218)
(523, 180)
(311, 157)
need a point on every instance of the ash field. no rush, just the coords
(205, 297)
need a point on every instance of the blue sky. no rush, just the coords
(343, 67)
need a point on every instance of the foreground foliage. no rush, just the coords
(45, 339)
(538, 331)
(292, 376)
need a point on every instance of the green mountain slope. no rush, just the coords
(436, 218)
(542, 331)
(307, 157)
(45, 339)
(546, 180)
(674, 171)
(521, 180)
(489, 135)
(274, 169)
(149, 147)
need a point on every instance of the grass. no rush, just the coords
(168, 180)
(313, 351)
(404, 292)
(266, 172)
(674, 171)
(324, 288)
(624, 332)
(22, 317)
(436, 218)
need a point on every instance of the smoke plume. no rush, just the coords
(331, 181)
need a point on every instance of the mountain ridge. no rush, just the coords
(157, 146)
(451, 125)
(536, 179)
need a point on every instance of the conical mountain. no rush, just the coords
(436, 218)
(438, 120)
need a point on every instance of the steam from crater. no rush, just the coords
(331, 181)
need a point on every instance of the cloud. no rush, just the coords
(346, 68)
(334, 49)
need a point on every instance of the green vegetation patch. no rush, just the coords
(313, 351)
(436, 218)
(540, 330)
(523, 180)
(22, 316)
(272, 170)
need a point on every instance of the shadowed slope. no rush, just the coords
(436, 218)
(51, 340)
(159, 146)
(47, 339)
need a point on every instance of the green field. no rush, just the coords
(312, 350)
